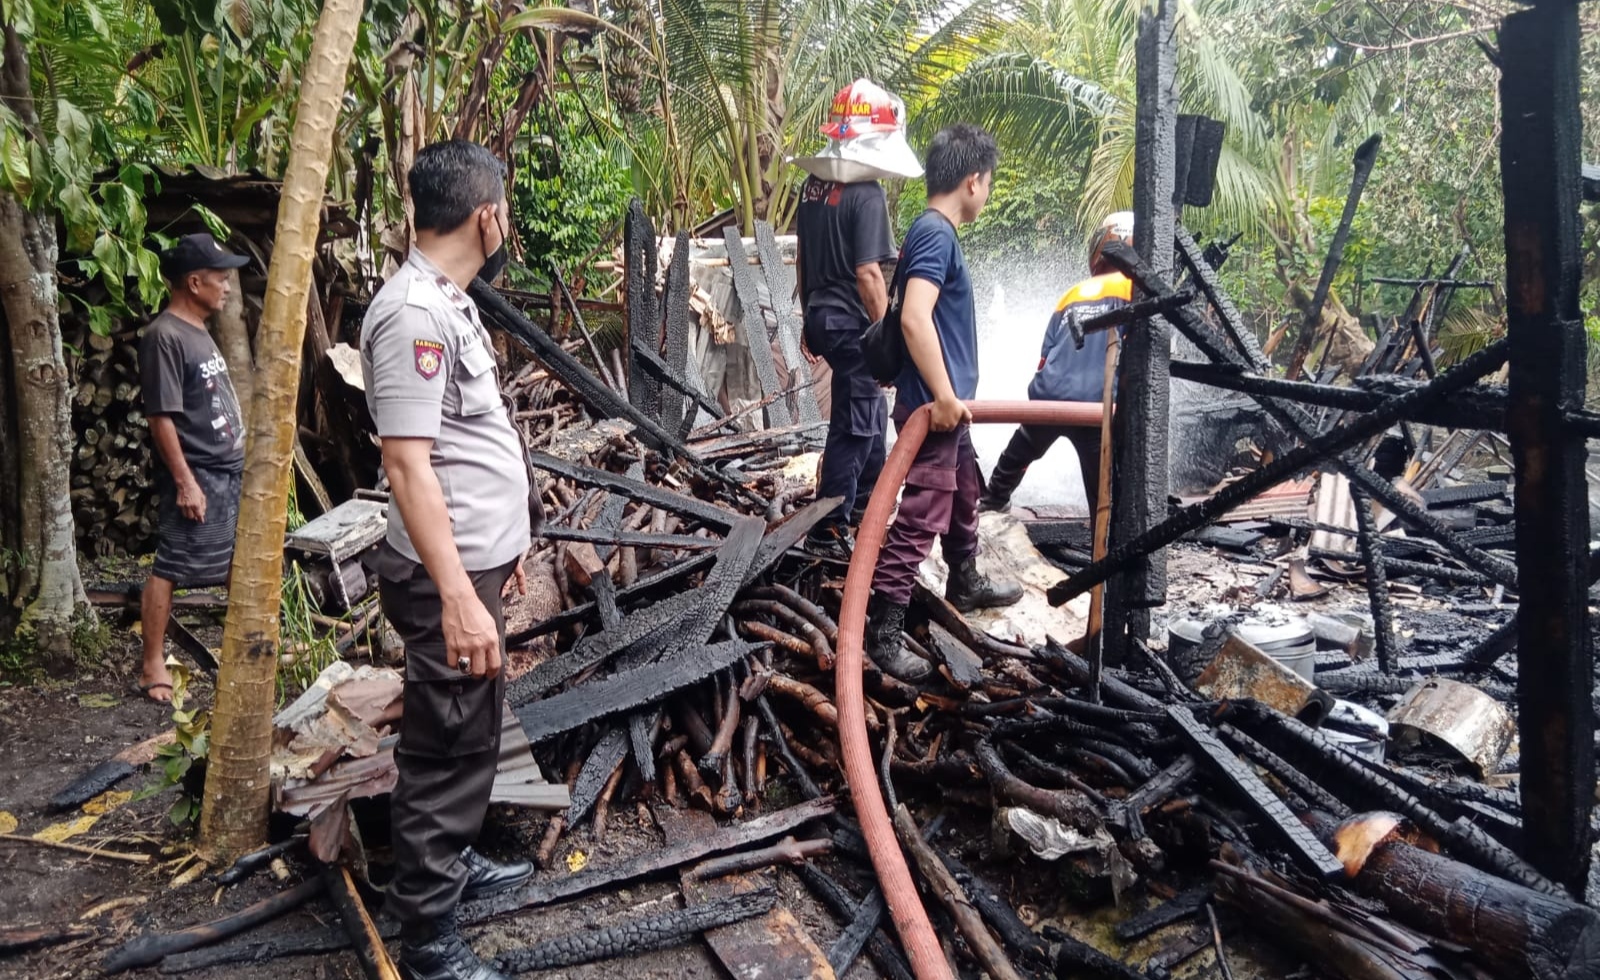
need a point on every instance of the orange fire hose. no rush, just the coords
(894, 878)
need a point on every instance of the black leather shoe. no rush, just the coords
(969, 589)
(886, 623)
(437, 952)
(486, 877)
(994, 504)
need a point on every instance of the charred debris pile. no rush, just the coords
(1320, 785)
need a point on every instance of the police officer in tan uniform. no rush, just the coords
(459, 526)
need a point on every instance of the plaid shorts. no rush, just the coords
(195, 554)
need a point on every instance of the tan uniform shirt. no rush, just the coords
(430, 374)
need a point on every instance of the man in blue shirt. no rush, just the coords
(939, 320)
(1068, 373)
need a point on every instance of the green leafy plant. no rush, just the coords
(181, 762)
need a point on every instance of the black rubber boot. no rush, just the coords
(436, 951)
(886, 622)
(830, 541)
(486, 877)
(969, 589)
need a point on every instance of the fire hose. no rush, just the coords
(894, 878)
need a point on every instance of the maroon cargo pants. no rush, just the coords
(940, 500)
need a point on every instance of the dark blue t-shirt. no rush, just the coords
(933, 253)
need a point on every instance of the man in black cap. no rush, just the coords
(198, 434)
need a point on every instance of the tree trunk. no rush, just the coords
(233, 818)
(233, 339)
(48, 584)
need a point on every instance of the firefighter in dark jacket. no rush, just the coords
(1068, 373)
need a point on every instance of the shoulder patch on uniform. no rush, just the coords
(429, 357)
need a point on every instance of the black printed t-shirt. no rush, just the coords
(840, 226)
(185, 378)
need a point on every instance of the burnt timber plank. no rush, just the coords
(1308, 852)
(717, 518)
(715, 594)
(1142, 419)
(646, 626)
(583, 611)
(731, 838)
(595, 395)
(640, 934)
(603, 760)
(627, 690)
(752, 327)
(780, 286)
(773, 944)
(597, 648)
(639, 258)
(1541, 134)
(606, 541)
(677, 328)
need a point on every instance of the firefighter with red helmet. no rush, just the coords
(843, 237)
(1069, 373)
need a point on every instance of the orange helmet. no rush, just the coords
(861, 108)
(1116, 227)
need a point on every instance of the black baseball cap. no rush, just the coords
(196, 252)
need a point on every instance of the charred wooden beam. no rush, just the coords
(595, 394)
(1361, 168)
(358, 925)
(639, 935)
(577, 614)
(676, 299)
(89, 785)
(883, 950)
(751, 326)
(15, 940)
(630, 539)
(948, 891)
(781, 287)
(717, 518)
(857, 932)
(1541, 135)
(1141, 424)
(658, 861)
(627, 690)
(1205, 276)
(602, 761)
(640, 258)
(1186, 904)
(1330, 764)
(1516, 932)
(1030, 948)
(1307, 851)
(1480, 407)
(1285, 467)
(1352, 465)
(148, 949)
(1383, 624)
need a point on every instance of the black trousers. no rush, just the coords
(449, 745)
(1029, 445)
(854, 452)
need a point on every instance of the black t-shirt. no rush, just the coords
(840, 226)
(185, 377)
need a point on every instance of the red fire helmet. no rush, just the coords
(861, 108)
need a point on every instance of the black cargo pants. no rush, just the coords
(449, 745)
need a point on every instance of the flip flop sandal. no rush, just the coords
(143, 690)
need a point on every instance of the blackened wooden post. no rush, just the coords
(639, 259)
(1540, 167)
(676, 300)
(1141, 488)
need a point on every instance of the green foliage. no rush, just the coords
(181, 762)
(308, 648)
(569, 199)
